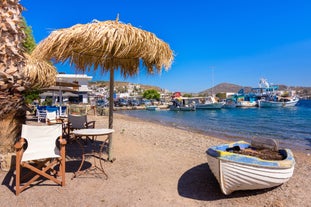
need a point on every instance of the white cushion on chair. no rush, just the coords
(41, 141)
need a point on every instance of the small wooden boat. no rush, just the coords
(235, 171)
(210, 103)
(182, 104)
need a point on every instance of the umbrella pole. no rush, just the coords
(111, 103)
(60, 101)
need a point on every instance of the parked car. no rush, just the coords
(146, 102)
(134, 102)
(122, 102)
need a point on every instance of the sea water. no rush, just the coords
(291, 126)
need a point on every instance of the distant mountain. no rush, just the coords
(224, 87)
(228, 87)
(220, 88)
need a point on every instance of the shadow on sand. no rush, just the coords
(73, 161)
(200, 184)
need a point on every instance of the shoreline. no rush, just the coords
(156, 165)
(283, 143)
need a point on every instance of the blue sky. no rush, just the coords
(214, 41)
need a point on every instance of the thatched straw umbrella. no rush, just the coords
(107, 45)
(38, 73)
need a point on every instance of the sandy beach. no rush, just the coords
(155, 165)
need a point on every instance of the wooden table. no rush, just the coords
(96, 154)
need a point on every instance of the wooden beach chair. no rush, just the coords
(80, 122)
(41, 113)
(51, 117)
(39, 150)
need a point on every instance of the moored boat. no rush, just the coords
(235, 171)
(175, 106)
(245, 99)
(277, 103)
(179, 103)
(209, 103)
(229, 103)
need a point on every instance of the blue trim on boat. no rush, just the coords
(220, 152)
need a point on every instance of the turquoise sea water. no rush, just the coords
(291, 126)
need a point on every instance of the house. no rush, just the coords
(80, 79)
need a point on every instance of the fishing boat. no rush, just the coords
(180, 103)
(245, 99)
(229, 103)
(235, 171)
(276, 102)
(209, 103)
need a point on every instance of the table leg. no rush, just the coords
(96, 156)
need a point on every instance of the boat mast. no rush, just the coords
(212, 68)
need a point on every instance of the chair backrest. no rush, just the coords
(41, 113)
(51, 115)
(77, 121)
(52, 108)
(41, 141)
(63, 111)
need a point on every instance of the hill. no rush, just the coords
(228, 87)
(220, 88)
(224, 87)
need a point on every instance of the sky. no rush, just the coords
(214, 41)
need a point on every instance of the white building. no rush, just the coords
(80, 79)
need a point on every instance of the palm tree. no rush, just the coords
(18, 72)
(12, 61)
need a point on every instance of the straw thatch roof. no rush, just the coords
(106, 45)
(39, 73)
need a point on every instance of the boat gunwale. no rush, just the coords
(218, 152)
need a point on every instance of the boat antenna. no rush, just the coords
(212, 68)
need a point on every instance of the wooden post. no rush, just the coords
(111, 104)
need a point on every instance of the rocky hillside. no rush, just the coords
(224, 87)
(228, 87)
(220, 88)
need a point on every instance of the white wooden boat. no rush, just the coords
(243, 172)
(282, 102)
(209, 103)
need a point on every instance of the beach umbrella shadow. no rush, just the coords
(199, 183)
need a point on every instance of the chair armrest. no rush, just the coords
(62, 141)
(68, 126)
(55, 121)
(90, 124)
(19, 144)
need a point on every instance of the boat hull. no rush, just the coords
(182, 108)
(246, 104)
(276, 104)
(240, 172)
(152, 108)
(210, 106)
